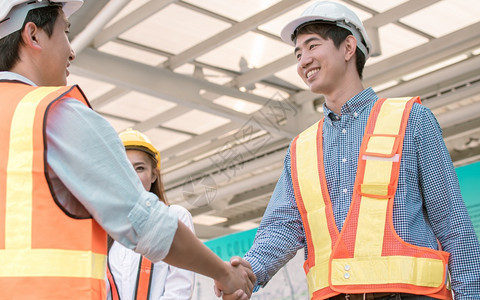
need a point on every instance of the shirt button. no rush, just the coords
(148, 203)
(344, 160)
(346, 275)
(345, 191)
(344, 130)
(347, 267)
(355, 114)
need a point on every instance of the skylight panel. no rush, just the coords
(196, 122)
(130, 7)
(276, 25)
(131, 53)
(395, 40)
(136, 106)
(163, 139)
(248, 51)
(445, 17)
(380, 5)
(174, 29)
(290, 74)
(435, 67)
(234, 9)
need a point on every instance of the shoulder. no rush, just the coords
(422, 116)
(67, 116)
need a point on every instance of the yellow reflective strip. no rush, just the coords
(381, 144)
(310, 189)
(390, 116)
(18, 220)
(52, 263)
(373, 211)
(371, 227)
(425, 272)
(317, 277)
(377, 172)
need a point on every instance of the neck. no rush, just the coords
(336, 98)
(24, 69)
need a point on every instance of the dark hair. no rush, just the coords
(334, 33)
(157, 186)
(43, 17)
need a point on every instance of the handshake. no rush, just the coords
(239, 281)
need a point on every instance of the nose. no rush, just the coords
(305, 60)
(72, 54)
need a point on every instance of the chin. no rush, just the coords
(315, 89)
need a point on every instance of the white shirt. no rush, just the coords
(87, 165)
(168, 282)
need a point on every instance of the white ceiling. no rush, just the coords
(216, 89)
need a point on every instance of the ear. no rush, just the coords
(350, 47)
(30, 36)
(154, 176)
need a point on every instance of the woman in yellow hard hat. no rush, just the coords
(131, 276)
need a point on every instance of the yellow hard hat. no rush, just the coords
(134, 139)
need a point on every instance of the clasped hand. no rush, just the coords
(238, 285)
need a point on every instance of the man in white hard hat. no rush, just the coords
(368, 211)
(63, 169)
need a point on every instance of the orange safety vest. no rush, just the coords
(44, 252)
(143, 284)
(367, 256)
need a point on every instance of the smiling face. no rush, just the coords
(57, 53)
(143, 166)
(320, 64)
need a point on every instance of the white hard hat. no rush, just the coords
(331, 12)
(14, 12)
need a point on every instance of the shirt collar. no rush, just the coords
(5, 75)
(355, 105)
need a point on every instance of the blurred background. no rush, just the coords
(217, 91)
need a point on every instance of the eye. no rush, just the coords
(312, 46)
(140, 169)
(298, 56)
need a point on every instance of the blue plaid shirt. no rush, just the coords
(428, 203)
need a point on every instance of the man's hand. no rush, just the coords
(244, 291)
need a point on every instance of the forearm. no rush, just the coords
(188, 252)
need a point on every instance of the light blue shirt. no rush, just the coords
(428, 204)
(87, 164)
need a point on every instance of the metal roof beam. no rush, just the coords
(181, 89)
(231, 33)
(130, 20)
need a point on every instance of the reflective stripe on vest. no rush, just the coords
(142, 285)
(367, 256)
(44, 253)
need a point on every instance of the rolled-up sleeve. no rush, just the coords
(87, 163)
